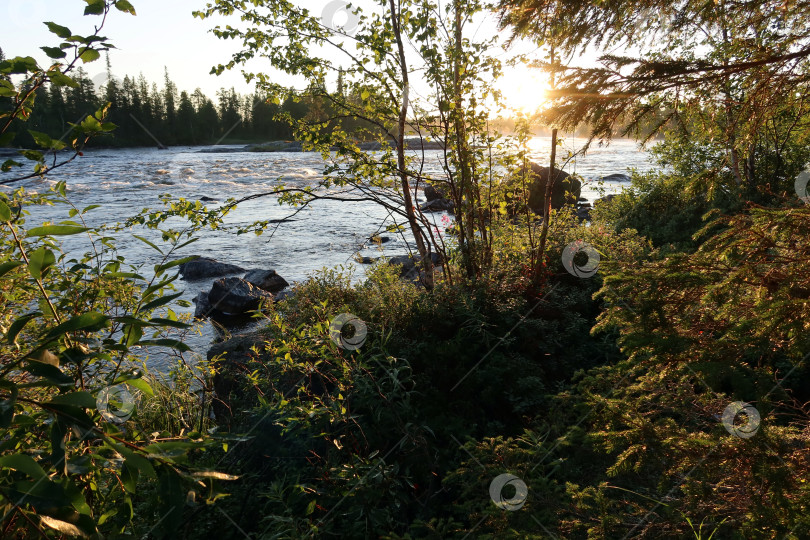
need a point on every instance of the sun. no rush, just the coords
(524, 90)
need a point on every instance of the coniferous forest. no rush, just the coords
(144, 112)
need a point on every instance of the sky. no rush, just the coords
(164, 33)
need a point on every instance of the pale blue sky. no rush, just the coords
(163, 33)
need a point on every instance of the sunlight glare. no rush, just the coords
(524, 90)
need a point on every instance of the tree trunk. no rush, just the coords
(426, 262)
(552, 178)
(463, 153)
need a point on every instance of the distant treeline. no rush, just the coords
(148, 115)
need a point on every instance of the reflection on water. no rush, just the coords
(326, 234)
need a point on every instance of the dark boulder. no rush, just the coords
(204, 267)
(584, 213)
(616, 178)
(283, 295)
(437, 205)
(605, 199)
(377, 239)
(267, 280)
(202, 307)
(432, 193)
(409, 269)
(564, 190)
(437, 201)
(236, 296)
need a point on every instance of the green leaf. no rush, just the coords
(57, 436)
(159, 321)
(45, 141)
(89, 55)
(62, 527)
(141, 385)
(44, 356)
(125, 6)
(32, 155)
(148, 243)
(160, 268)
(91, 125)
(57, 230)
(159, 302)
(90, 322)
(5, 212)
(94, 7)
(72, 415)
(172, 497)
(7, 405)
(77, 399)
(129, 477)
(60, 79)
(24, 464)
(133, 334)
(8, 164)
(136, 460)
(17, 326)
(61, 31)
(214, 474)
(39, 261)
(54, 52)
(50, 373)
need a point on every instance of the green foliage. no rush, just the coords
(72, 325)
(76, 328)
(663, 208)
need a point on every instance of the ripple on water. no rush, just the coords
(327, 234)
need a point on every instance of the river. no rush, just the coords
(326, 234)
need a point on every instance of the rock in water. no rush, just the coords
(437, 200)
(268, 280)
(437, 205)
(408, 264)
(236, 296)
(377, 239)
(432, 193)
(565, 190)
(616, 178)
(202, 307)
(205, 267)
(605, 199)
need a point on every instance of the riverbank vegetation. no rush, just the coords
(642, 374)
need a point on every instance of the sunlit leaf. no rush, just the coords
(57, 230)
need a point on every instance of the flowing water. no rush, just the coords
(325, 234)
